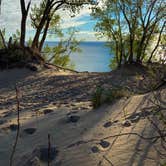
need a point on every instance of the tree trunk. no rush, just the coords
(44, 35)
(130, 60)
(158, 42)
(23, 31)
(24, 12)
(140, 49)
(35, 42)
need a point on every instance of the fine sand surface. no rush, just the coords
(49, 99)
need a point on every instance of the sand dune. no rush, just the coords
(59, 104)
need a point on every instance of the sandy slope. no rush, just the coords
(79, 144)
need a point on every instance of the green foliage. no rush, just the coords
(96, 98)
(37, 14)
(29, 42)
(16, 37)
(60, 54)
(1, 41)
(16, 55)
(113, 63)
(102, 96)
(63, 60)
(163, 164)
(126, 27)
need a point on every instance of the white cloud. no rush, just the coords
(69, 24)
(69, 21)
(89, 36)
(10, 18)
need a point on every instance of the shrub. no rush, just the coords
(102, 96)
(96, 98)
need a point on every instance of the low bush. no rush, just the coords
(96, 98)
(102, 96)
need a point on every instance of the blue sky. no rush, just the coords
(11, 15)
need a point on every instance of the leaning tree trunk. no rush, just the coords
(35, 42)
(44, 35)
(158, 42)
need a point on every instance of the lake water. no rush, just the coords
(94, 57)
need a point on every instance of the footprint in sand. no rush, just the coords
(95, 149)
(42, 153)
(73, 119)
(30, 131)
(104, 144)
(13, 127)
(109, 124)
(126, 123)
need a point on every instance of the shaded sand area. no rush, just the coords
(59, 104)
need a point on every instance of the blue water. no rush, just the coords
(94, 57)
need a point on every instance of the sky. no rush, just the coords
(10, 19)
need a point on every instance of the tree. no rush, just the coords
(51, 23)
(59, 54)
(49, 8)
(130, 26)
(151, 18)
(44, 19)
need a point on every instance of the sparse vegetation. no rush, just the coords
(102, 96)
(44, 19)
(60, 54)
(130, 28)
(60, 103)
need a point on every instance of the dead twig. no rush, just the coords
(108, 160)
(18, 126)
